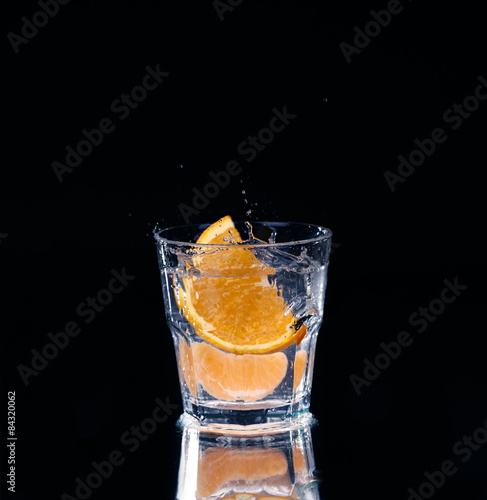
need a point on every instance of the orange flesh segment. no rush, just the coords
(186, 366)
(299, 367)
(230, 377)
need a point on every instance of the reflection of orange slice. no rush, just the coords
(232, 301)
(300, 463)
(299, 458)
(299, 367)
(219, 466)
(231, 377)
(253, 496)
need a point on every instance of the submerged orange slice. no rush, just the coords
(231, 377)
(231, 298)
(186, 367)
(300, 362)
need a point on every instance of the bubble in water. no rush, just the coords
(229, 239)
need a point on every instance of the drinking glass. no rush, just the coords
(244, 317)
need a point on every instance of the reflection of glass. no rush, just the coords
(244, 315)
(276, 466)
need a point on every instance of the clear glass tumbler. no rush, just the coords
(244, 317)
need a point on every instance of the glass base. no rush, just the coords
(246, 422)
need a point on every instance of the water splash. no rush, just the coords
(251, 237)
(248, 206)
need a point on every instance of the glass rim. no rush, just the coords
(326, 234)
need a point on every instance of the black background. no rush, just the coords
(392, 250)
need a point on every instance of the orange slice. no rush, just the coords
(230, 377)
(300, 361)
(221, 232)
(232, 300)
(186, 366)
(220, 467)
